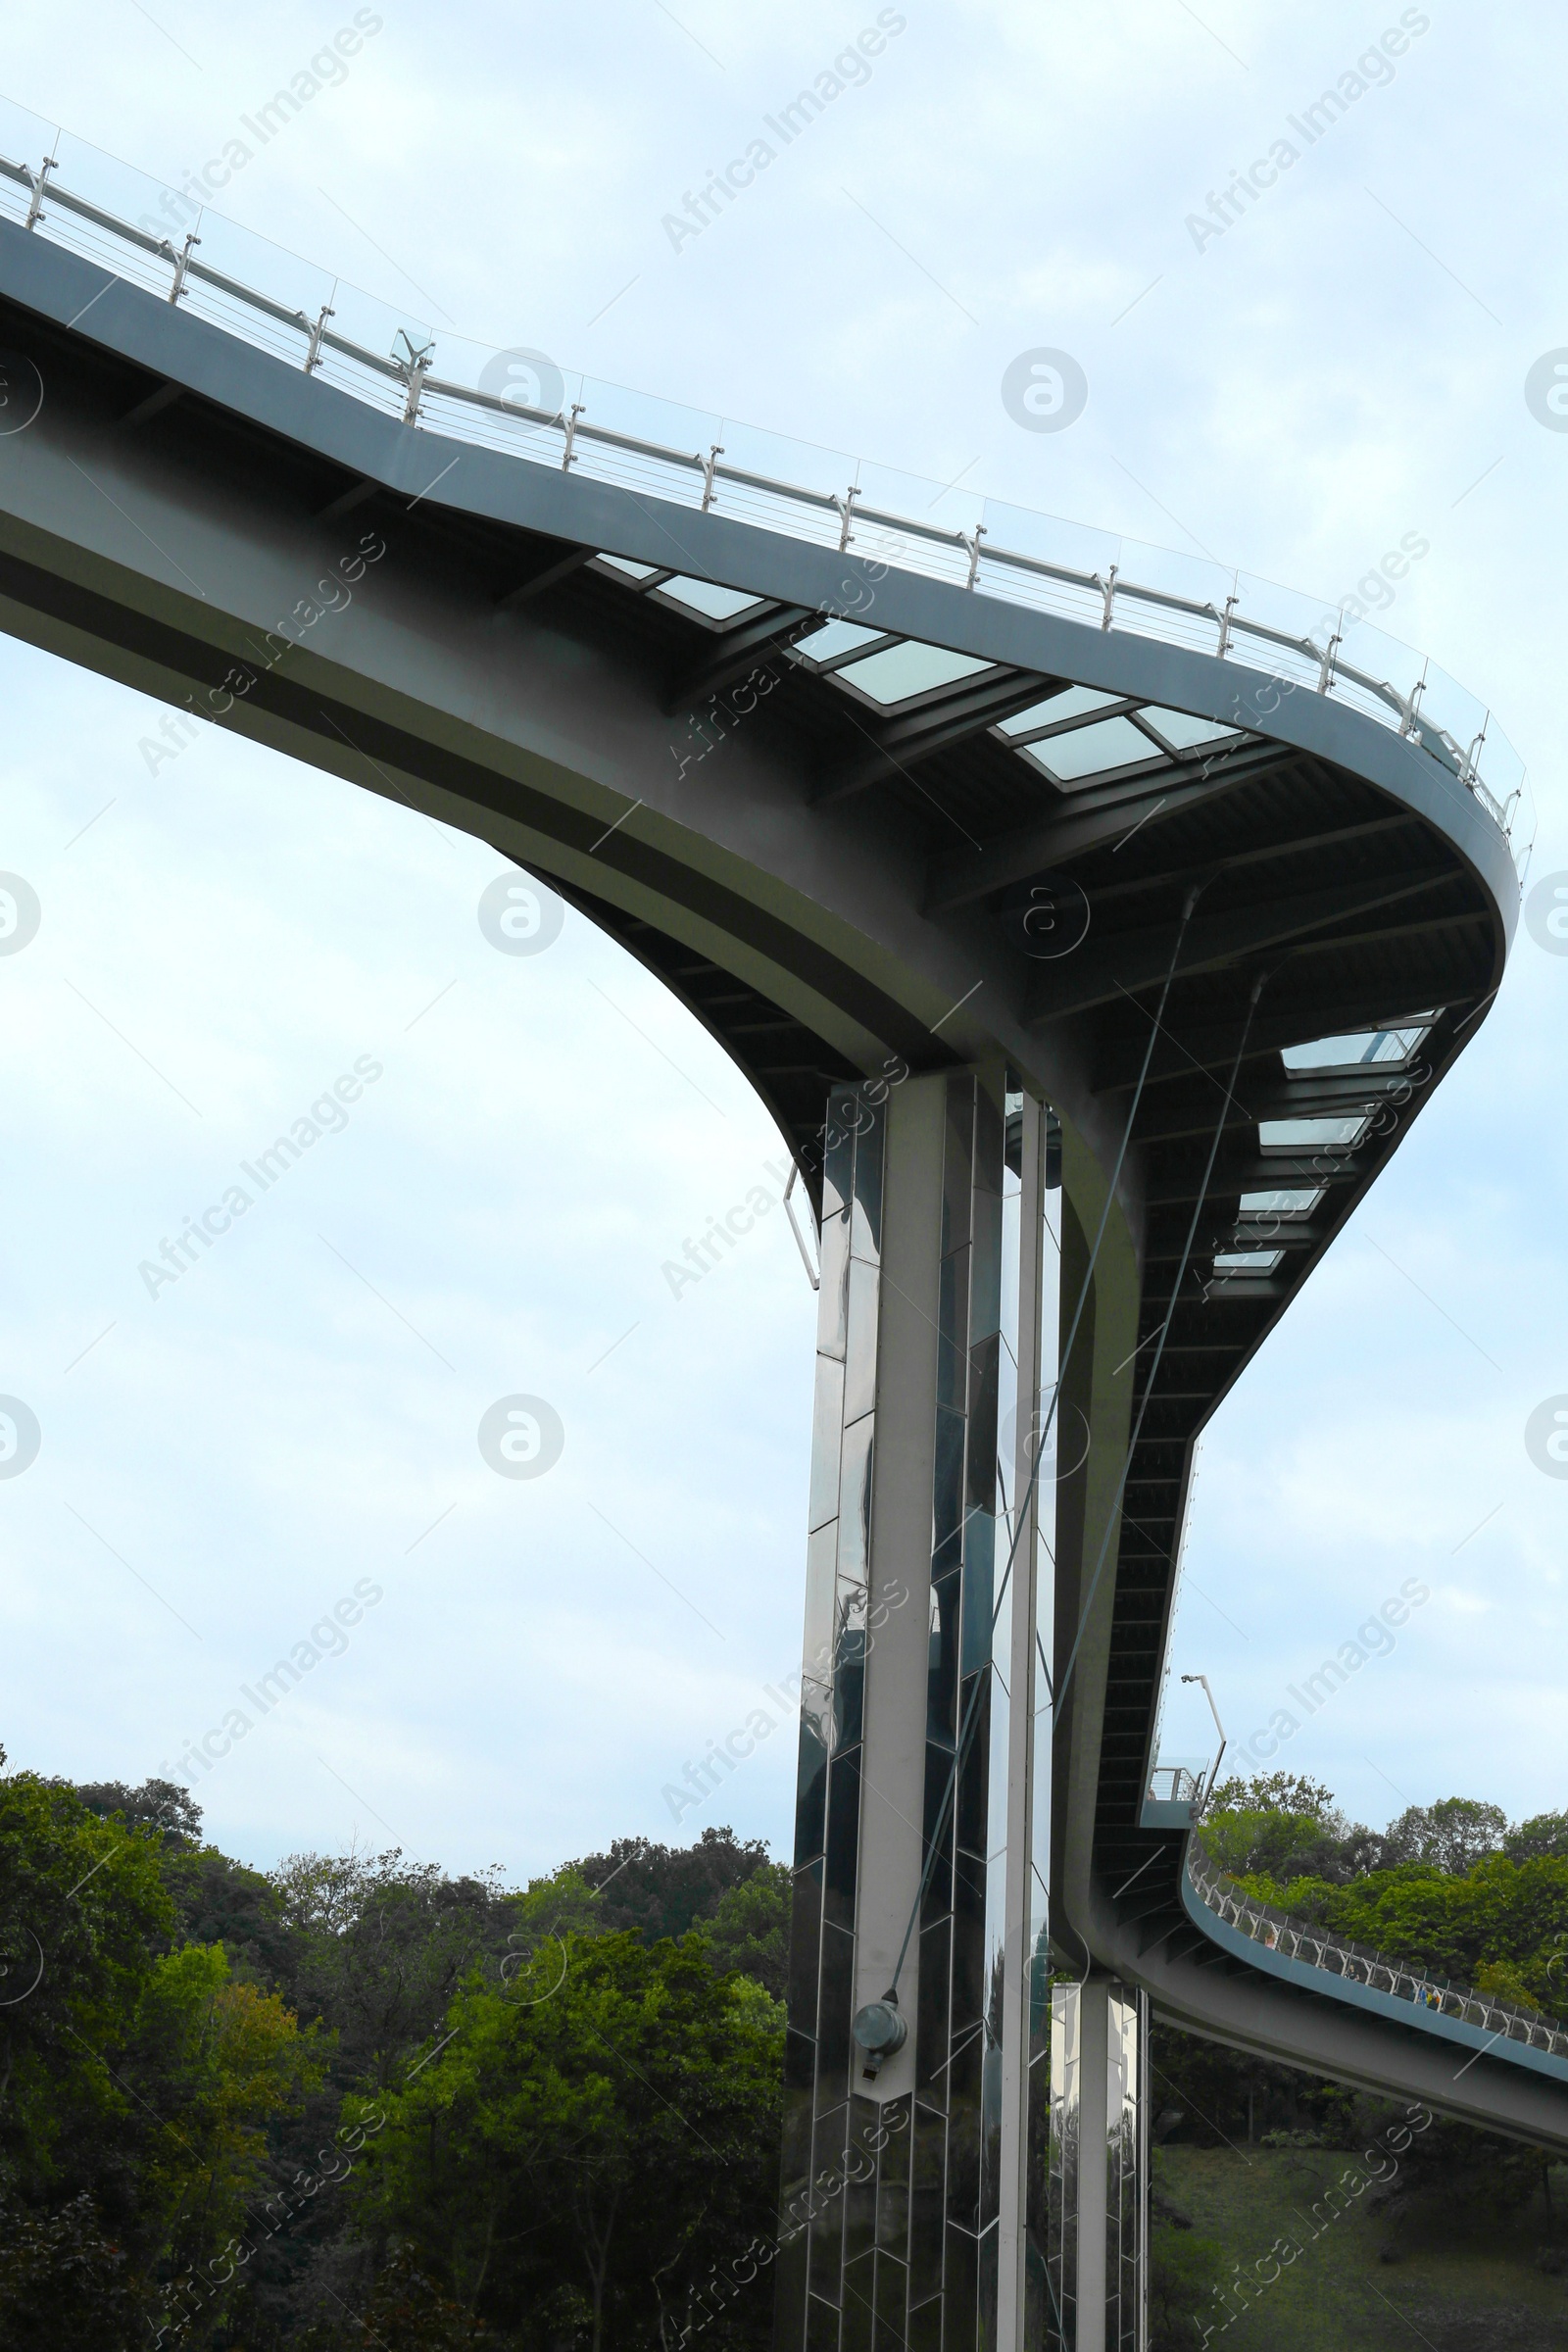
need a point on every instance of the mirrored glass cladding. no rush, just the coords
(821, 1994)
(914, 2258)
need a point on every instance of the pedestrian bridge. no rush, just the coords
(1093, 924)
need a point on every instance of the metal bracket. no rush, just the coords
(1408, 708)
(973, 544)
(1224, 619)
(415, 368)
(1470, 763)
(576, 411)
(1325, 674)
(181, 261)
(845, 508)
(814, 1274)
(313, 356)
(35, 208)
(709, 471)
(1107, 589)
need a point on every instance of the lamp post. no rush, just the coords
(1218, 1726)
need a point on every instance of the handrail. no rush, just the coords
(1117, 595)
(1299, 1939)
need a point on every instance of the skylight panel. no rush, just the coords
(1076, 702)
(1182, 731)
(632, 571)
(1311, 1135)
(910, 669)
(708, 598)
(1364, 1046)
(1290, 1202)
(1088, 752)
(1247, 1261)
(836, 637)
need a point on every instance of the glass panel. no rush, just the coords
(1338, 1053)
(838, 637)
(866, 1225)
(704, 596)
(1092, 750)
(1247, 1261)
(855, 1499)
(827, 1421)
(902, 670)
(1287, 1203)
(1075, 702)
(860, 1356)
(1181, 730)
(821, 1582)
(633, 572)
(1294, 1135)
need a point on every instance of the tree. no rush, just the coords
(1542, 1837)
(380, 1947)
(603, 2125)
(82, 1909)
(1453, 1834)
(665, 1891)
(218, 1900)
(160, 1805)
(751, 1928)
(1283, 1827)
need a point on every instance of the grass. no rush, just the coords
(1363, 2281)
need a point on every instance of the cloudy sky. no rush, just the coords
(223, 1462)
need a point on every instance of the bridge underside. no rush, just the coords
(938, 874)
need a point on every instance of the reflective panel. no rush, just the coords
(1311, 1134)
(632, 571)
(855, 1499)
(900, 671)
(836, 637)
(1247, 1261)
(1181, 730)
(1075, 702)
(1286, 1204)
(1086, 752)
(703, 596)
(1340, 1052)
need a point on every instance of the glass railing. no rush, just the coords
(1177, 1783)
(1299, 1940)
(172, 243)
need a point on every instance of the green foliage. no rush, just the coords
(663, 1890)
(219, 1901)
(1543, 1838)
(82, 1909)
(379, 1948)
(1454, 1834)
(1498, 1912)
(159, 1805)
(604, 2123)
(1183, 2273)
(751, 1928)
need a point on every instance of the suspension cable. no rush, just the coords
(1113, 1513)
(1021, 1515)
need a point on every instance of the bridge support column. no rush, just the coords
(918, 1924)
(1098, 2192)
